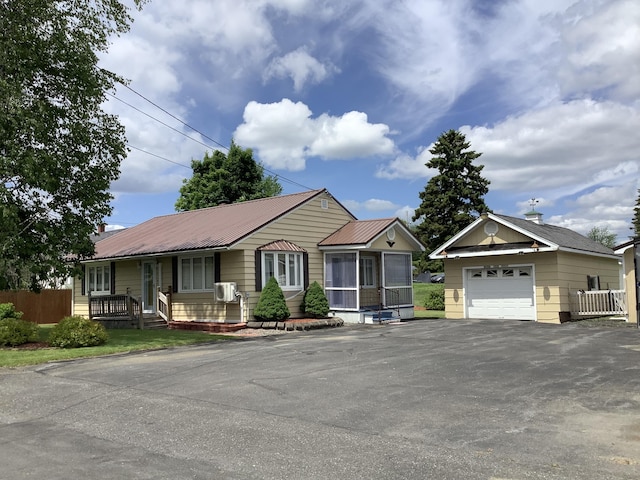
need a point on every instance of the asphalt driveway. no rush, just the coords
(437, 399)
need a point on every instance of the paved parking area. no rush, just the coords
(424, 399)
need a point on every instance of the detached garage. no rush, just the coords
(502, 267)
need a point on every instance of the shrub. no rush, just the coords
(314, 302)
(271, 305)
(7, 310)
(74, 332)
(435, 299)
(14, 332)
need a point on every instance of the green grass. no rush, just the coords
(420, 291)
(120, 341)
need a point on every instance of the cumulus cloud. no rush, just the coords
(284, 135)
(301, 67)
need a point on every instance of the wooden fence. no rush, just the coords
(48, 306)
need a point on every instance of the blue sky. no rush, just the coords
(350, 96)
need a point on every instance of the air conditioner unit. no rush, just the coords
(225, 291)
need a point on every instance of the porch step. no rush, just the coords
(154, 323)
(382, 316)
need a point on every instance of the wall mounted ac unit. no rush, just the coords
(225, 291)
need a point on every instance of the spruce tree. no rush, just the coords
(636, 217)
(455, 195)
(315, 302)
(272, 306)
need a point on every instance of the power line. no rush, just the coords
(285, 179)
(158, 156)
(176, 118)
(160, 121)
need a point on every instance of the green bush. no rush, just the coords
(7, 310)
(314, 302)
(74, 332)
(14, 332)
(272, 306)
(435, 299)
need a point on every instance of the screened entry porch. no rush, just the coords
(363, 285)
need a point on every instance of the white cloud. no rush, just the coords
(284, 135)
(601, 49)
(301, 67)
(563, 148)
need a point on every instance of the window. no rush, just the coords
(492, 273)
(196, 274)
(593, 282)
(507, 272)
(340, 280)
(99, 279)
(286, 267)
(368, 272)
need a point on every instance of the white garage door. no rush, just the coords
(504, 292)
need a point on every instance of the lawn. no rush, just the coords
(120, 341)
(420, 291)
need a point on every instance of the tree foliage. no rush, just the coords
(636, 217)
(59, 150)
(454, 195)
(230, 178)
(602, 235)
(315, 302)
(271, 306)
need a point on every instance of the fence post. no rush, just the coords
(89, 303)
(140, 314)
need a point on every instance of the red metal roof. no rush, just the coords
(282, 246)
(215, 227)
(358, 232)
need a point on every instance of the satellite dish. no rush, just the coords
(491, 228)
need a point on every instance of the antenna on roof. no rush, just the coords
(532, 203)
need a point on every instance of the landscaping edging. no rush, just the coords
(298, 324)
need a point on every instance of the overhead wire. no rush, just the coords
(280, 177)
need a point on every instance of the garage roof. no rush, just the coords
(544, 238)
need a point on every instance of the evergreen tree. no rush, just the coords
(315, 302)
(454, 195)
(636, 217)
(230, 178)
(59, 150)
(272, 306)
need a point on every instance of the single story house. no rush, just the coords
(210, 264)
(503, 267)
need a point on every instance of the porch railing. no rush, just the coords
(164, 305)
(120, 306)
(599, 302)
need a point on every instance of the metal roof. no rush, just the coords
(563, 237)
(282, 246)
(358, 232)
(207, 228)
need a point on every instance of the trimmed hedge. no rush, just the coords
(74, 332)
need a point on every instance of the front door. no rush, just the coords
(149, 287)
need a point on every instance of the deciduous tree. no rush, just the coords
(602, 235)
(59, 150)
(636, 217)
(231, 178)
(454, 195)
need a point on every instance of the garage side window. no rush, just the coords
(593, 282)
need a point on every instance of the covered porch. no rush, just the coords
(369, 287)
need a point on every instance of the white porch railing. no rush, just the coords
(599, 302)
(164, 306)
